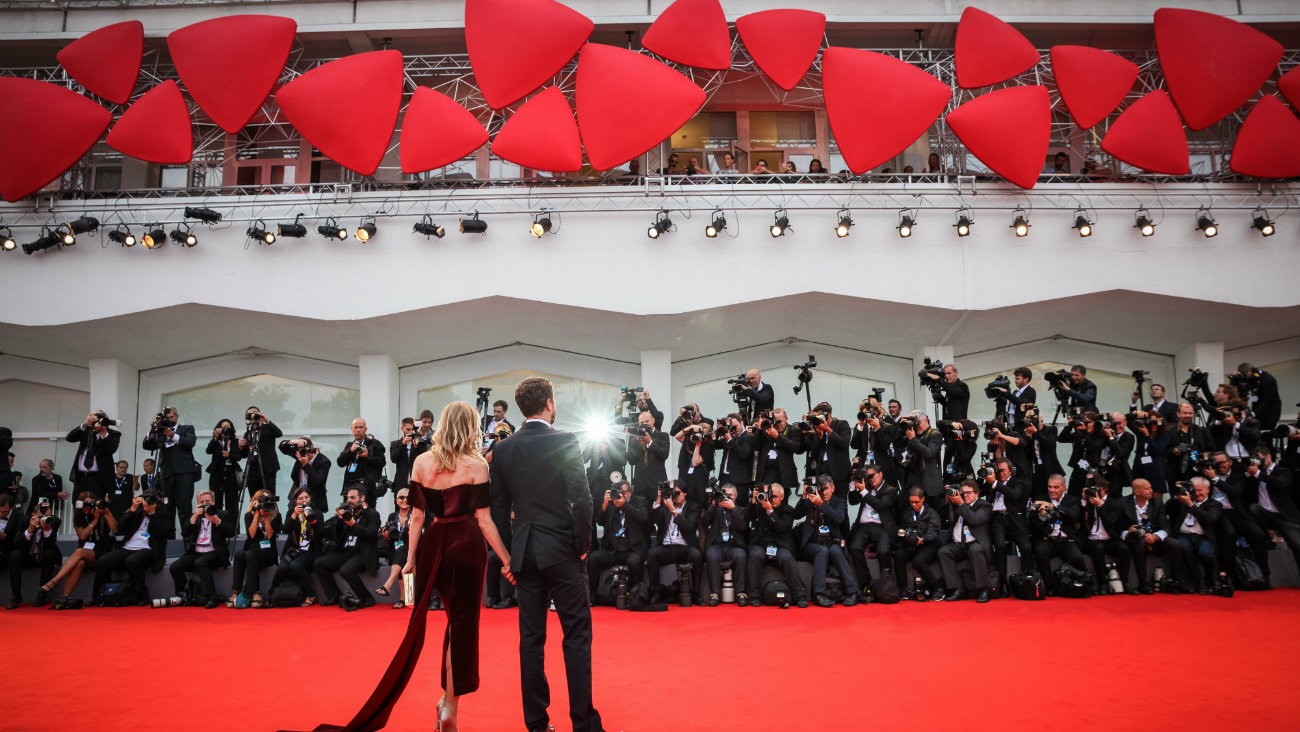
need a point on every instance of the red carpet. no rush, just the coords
(1008, 665)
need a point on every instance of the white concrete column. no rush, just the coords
(115, 388)
(920, 393)
(378, 385)
(657, 376)
(1207, 357)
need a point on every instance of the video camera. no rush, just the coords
(931, 367)
(998, 388)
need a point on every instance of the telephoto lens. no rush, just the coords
(173, 601)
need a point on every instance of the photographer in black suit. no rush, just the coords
(142, 547)
(34, 544)
(310, 471)
(949, 391)
(224, 472)
(1081, 391)
(647, 454)
(820, 538)
(1118, 450)
(970, 541)
(1019, 397)
(1232, 430)
(771, 541)
(1193, 516)
(1228, 487)
(1148, 533)
(258, 447)
(301, 546)
(1167, 409)
(176, 463)
(876, 522)
(404, 450)
(723, 525)
(1259, 388)
(1054, 524)
(776, 443)
(354, 529)
(1269, 497)
(826, 443)
(625, 518)
(262, 524)
(1100, 534)
(92, 468)
(1007, 491)
(676, 521)
(921, 447)
(918, 545)
(695, 458)
(1040, 447)
(1188, 443)
(207, 546)
(362, 461)
(736, 462)
(761, 396)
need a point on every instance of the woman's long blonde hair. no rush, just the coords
(458, 437)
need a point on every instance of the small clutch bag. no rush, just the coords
(408, 589)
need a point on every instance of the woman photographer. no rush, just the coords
(223, 470)
(262, 523)
(396, 535)
(302, 532)
(95, 526)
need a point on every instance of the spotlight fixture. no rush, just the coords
(1205, 223)
(473, 226)
(206, 215)
(1262, 223)
(1020, 222)
(154, 237)
(122, 235)
(330, 230)
(66, 236)
(48, 239)
(1143, 223)
(964, 222)
(258, 231)
(717, 225)
(906, 222)
(83, 225)
(7, 239)
(294, 230)
(181, 235)
(366, 230)
(1082, 223)
(845, 223)
(780, 222)
(426, 226)
(541, 224)
(662, 225)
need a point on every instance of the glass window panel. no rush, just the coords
(577, 402)
(174, 177)
(844, 393)
(692, 134)
(1287, 374)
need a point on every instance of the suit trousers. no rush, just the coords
(862, 536)
(920, 559)
(1003, 529)
(1289, 531)
(19, 560)
(1062, 548)
(247, 574)
(204, 565)
(1170, 550)
(597, 562)
(784, 561)
(662, 554)
(821, 556)
(97, 483)
(349, 566)
(179, 489)
(299, 569)
(1097, 550)
(714, 554)
(1236, 523)
(566, 584)
(225, 490)
(973, 551)
(134, 561)
(1198, 547)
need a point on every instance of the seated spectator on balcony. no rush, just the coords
(694, 168)
(760, 168)
(671, 168)
(1060, 165)
(815, 167)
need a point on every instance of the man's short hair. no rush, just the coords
(1082, 371)
(1162, 386)
(426, 414)
(916, 491)
(824, 480)
(360, 489)
(895, 401)
(1024, 372)
(121, 462)
(501, 403)
(532, 394)
(6, 500)
(823, 407)
(200, 494)
(408, 420)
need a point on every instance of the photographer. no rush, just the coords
(1259, 388)
(948, 391)
(224, 471)
(1008, 490)
(918, 546)
(96, 443)
(258, 447)
(625, 518)
(404, 450)
(395, 536)
(640, 398)
(362, 461)
(723, 525)
(826, 442)
(140, 547)
(676, 520)
(776, 444)
(47, 485)
(761, 396)
(310, 470)
(1114, 458)
(95, 525)
(1269, 498)
(207, 546)
(1022, 396)
(1082, 393)
(771, 541)
(647, 452)
(921, 444)
(1168, 410)
(1228, 487)
(1188, 443)
(497, 429)
(1040, 445)
(1193, 516)
(176, 463)
(695, 458)
(1148, 533)
(970, 541)
(873, 436)
(1150, 444)
(1054, 524)
(301, 546)
(1101, 531)
(1234, 431)
(261, 525)
(821, 536)
(960, 446)
(876, 522)
(34, 545)
(354, 530)
(736, 465)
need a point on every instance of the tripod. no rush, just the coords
(253, 437)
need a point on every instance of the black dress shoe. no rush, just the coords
(850, 601)
(803, 602)
(714, 600)
(505, 603)
(13, 603)
(210, 604)
(983, 596)
(328, 602)
(742, 599)
(821, 600)
(40, 599)
(1144, 589)
(954, 596)
(1130, 590)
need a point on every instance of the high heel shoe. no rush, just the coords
(447, 720)
(437, 723)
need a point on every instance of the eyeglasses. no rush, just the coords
(401, 498)
(968, 493)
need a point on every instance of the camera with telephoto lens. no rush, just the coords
(986, 467)
(905, 424)
(268, 503)
(911, 535)
(173, 601)
(1197, 378)
(993, 426)
(1059, 380)
(666, 490)
(106, 422)
(347, 512)
(308, 513)
(306, 451)
(688, 414)
(1247, 382)
(810, 485)
(228, 432)
(210, 510)
(161, 424)
(1286, 431)
(998, 388)
(953, 489)
(47, 522)
(1180, 488)
(713, 492)
(1141, 532)
(628, 394)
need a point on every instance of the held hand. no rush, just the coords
(510, 576)
(216, 434)
(772, 433)
(910, 434)
(767, 505)
(1150, 538)
(409, 567)
(243, 444)
(1185, 499)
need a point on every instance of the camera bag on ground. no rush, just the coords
(777, 592)
(287, 593)
(118, 594)
(1028, 586)
(638, 599)
(885, 590)
(1246, 572)
(1071, 582)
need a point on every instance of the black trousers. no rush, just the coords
(1170, 550)
(566, 584)
(299, 569)
(1064, 549)
(179, 490)
(1236, 523)
(202, 564)
(134, 561)
(225, 489)
(919, 558)
(1006, 528)
(247, 574)
(97, 483)
(597, 561)
(822, 556)
(349, 566)
(662, 554)
(713, 557)
(1274, 521)
(976, 553)
(862, 536)
(1098, 550)
(1198, 547)
(784, 560)
(255, 480)
(19, 560)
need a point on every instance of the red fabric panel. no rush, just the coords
(107, 61)
(348, 108)
(1268, 145)
(516, 46)
(628, 103)
(783, 43)
(542, 135)
(877, 105)
(156, 128)
(1008, 130)
(1150, 135)
(44, 129)
(1289, 85)
(693, 33)
(989, 50)
(437, 131)
(229, 64)
(1212, 64)
(1092, 82)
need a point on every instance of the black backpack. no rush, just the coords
(777, 592)
(1246, 572)
(1071, 582)
(1028, 586)
(118, 594)
(885, 590)
(288, 593)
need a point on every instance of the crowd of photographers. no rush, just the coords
(1205, 485)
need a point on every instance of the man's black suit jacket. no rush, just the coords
(538, 473)
(976, 517)
(885, 501)
(267, 435)
(1030, 396)
(924, 470)
(179, 458)
(648, 464)
(1207, 514)
(633, 517)
(829, 454)
(221, 534)
(1280, 488)
(103, 450)
(403, 459)
(687, 520)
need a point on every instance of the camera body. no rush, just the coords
(810, 486)
(347, 512)
(951, 490)
(931, 367)
(268, 503)
(911, 535)
(666, 490)
(210, 510)
(995, 388)
(762, 494)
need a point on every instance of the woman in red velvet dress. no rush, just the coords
(450, 482)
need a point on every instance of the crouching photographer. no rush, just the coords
(1101, 530)
(1054, 524)
(676, 520)
(354, 530)
(395, 536)
(310, 470)
(95, 525)
(918, 546)
(822, 535)
(34, 545)
(1148, 533)
(724, 528)
(261, 524)
(624, 517)
(206, 534)
(970, 541)
(301, 547)
(771, 542)
(875, 524)
(142, 546)
(1193, 519)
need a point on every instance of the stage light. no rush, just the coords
(122, 235)
(473, 225)
(7, 241)
(366, 230)
(1143, 223)
(153, 237)
(717, 225)
(426, 226)
(597, 429)
(541, 224)
(258, 232)
(294, 230)
(181, 235)
(780, 222)
(84, 225)
(206, 215)
(66, 236)
(1082, 223)
(662, 225)
(845, 223)
(964, 222)
(48, 239)
(1020, 223)
(330, 230)
(906, 222)
(1205, 223)
(1262, 223)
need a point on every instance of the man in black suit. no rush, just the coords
(970, 541)
(1100, 534)
(1007, 490)
(1270, 495)
(776, 443)
(311, 470)
(922, 446)
(950, 392)
(206, 534)
(761, 396)
(34, 544)
(625, 519)
(1115, 458)
(1187, 443)
(1041, 450)
(820, 538)
(736, 463)
(1020, 397)
(142, 546)
(723, 525)
(676, 521)
(1147, 533)
(258, 446)
(1193, 516)
(362, 461)
(1260, 387)
(92, 468)
(647, 453)
(1167, 409)
(176, 463)
(355, 530)
(771, 541)
(404, 450)
(1054, 524)
(918, 546)
(1228, 487)
(695, 457)
(498, 427)
(826, 443)
(122, 490)
(147, 481)
(1081, 391)
(538, 473)
(876, 522)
